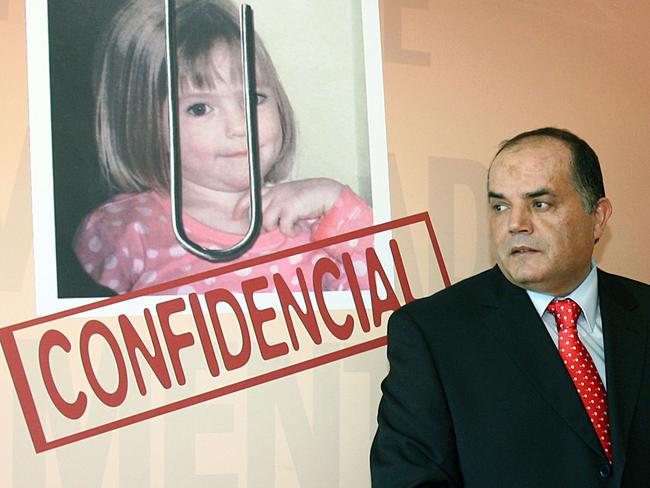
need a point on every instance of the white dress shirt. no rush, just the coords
(590, 324)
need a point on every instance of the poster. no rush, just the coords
(278, 359)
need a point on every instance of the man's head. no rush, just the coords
(547, 209)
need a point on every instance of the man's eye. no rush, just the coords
(541, 205)
(199, 109)
(499, 207)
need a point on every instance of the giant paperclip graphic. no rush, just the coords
(250, 100)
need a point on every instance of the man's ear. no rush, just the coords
(601, 213)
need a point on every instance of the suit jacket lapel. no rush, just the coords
(625, 342)
(511, 316)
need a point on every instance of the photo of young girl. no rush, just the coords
(127, 243)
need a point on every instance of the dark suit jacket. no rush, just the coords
(477, 394)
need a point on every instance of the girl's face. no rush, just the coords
(213, 128)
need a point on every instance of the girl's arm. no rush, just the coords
(337, 208)
(107, 244)
(333, 208)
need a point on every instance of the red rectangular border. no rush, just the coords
(24, 393)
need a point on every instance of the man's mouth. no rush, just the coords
(522, 250)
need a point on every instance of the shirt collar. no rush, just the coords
(586, 295)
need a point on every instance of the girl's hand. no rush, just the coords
(285, 204)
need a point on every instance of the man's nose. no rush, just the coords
(520, 220)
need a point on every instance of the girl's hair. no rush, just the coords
(131, 91)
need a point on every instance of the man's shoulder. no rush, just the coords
(622, 279)
(624, 288)
(467, 293)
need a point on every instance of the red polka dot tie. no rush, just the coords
(582, 369)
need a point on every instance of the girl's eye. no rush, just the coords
(261, 98)
(199, 109)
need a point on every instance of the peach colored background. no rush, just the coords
(459, 78)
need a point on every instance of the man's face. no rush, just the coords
(543, 236)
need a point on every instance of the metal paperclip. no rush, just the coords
(247, 34)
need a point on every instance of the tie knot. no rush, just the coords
(566, 313)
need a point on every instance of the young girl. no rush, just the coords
(128, 243)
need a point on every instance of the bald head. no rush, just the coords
(586, 175)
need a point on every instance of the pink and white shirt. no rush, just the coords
(127, 243)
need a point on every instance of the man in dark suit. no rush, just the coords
(535, 373)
